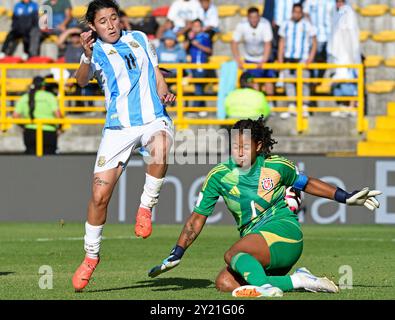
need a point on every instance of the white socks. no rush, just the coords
(92, 240)
(150, 195)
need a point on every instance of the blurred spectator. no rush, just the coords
(182, 13)
(320, 13)
(24, 26)
(209, 16)
(256, 35)
(169, 50)
(38, 104)
(69, 45)
(125, 22)
(200, 47)
(344, 48)
(268, 10)
(167, 25)
(61, 16)
(246, 101)
(298, 43)
(148, 25)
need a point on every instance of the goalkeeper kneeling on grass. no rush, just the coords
(253, 184)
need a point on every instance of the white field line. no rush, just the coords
(349, 239)
(72, 239)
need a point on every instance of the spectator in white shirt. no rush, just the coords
(209, 16)
(344, 48)
(182, 13)
(320, 13)
(298, 43)
(256, 35)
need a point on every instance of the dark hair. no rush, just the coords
(245, 79)
(252, 10)
(38, 83)
(198, 20)
(259, 132)
(96, 5)
(297, 5)
(122, 14)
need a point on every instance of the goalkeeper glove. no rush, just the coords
(364, 197)
(169, 263)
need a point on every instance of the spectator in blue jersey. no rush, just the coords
(298, 44)
(200, 48)
(320, 13)
(24, 26)
(126, 66)
(169, 50)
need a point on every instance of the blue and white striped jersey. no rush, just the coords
(298, 38)
(125, 72)
(321, 13)
(283, 10)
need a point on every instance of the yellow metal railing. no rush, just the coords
(180, 120)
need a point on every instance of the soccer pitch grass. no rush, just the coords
(125, 260)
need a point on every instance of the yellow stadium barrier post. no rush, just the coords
(180, 99)
(39, 139)
(3, 107)
(362, 124)
(299, 98)
(62, 91)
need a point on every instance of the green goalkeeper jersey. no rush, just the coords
(252, 196)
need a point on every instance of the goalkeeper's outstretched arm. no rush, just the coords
(364, 197)
(189, 233)
(191, 230)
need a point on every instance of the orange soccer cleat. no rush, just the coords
(143, 227)
(84, 272)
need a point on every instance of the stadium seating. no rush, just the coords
(227, 37)
(364, 35)
(11, 60)
(384, 36)
(138, 11)
(160, 11)
(3, 11)
(228, 10)
(381, 86)
(373, 61)
(78, 12)
(390, 62)
(373, 10)
(40, 60)
(3, 35)
(219, 59)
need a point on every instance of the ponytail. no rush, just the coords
(38, 82)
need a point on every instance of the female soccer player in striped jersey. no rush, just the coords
(126, 67)
(253, 183)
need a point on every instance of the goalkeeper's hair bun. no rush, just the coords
(259, 132)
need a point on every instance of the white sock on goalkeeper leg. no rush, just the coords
(93, 236)
(150, 195)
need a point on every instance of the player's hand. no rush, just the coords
(87, 42)
(364, 197)
(168, 97)
(169, 263)
(293, 199)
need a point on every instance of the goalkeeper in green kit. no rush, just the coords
(253, 184)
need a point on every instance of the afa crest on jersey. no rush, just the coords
(267, 184)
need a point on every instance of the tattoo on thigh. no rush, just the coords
(100, 182)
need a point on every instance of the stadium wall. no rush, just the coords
(55, 188)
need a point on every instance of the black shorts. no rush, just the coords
(50, 141)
